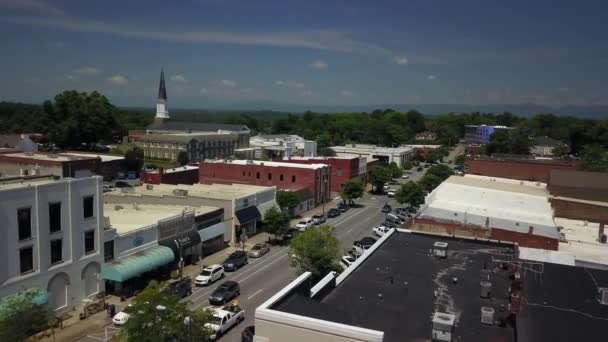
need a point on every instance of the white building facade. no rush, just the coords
(51, 239)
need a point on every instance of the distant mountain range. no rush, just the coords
(526, 109)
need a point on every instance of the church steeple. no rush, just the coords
(162, 91)
(161, 105)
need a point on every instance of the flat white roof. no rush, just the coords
(371, 149)
(128, 217)
(422, 146)
(268, 163)
(582, 241)
(506, 206)
(217, 191)
(19, 182)
(55, 157)
(104, 157)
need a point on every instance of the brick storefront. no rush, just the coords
(525, 169)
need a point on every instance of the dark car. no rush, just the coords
(122, 184)
(225, 292)
(247, 334)
(290, 234)
(179, 289)
(235, 261)
(419, 168)
(387, 208)
(318, 218)
(333, 212)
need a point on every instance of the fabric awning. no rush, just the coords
(248, 214)
(138, 263)
(188, 239)
(37, 296)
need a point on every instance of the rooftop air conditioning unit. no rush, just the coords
(487, 315)
(180, 192)
(486, 289)
(603, 295)
(443, 326)
(440, 249)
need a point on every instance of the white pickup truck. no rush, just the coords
(224, 319)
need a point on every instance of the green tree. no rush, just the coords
(352, 189)
(134, 159)
(327, 152)
(430, 182)
(410, 192)
(559, 151)
(162, 318)
(460, 159)
(594, 158)
(433, 156)
(182, 158)
(396, 171)
(80, 118)
(408, 165)
(20, 317)
(378, 176)
(316, 250)
(275, 221)
(287, 199)
(441, 171)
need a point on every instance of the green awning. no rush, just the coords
(36, 296)
(138, 263)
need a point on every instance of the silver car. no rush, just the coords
(258, 250)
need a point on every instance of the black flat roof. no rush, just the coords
(561, 304)
(394, 290)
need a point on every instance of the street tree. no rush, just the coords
(352, 189)
(433, 156)
(182, 158)
(287, 199)
(161, 318)
(460, 159)
(559, 151)
(430, 182)
(396, 171)
(21, 317)
(595, 158)
(275, 221)
(408, 165)
(410, 192)
(316, 250)
(442, 171)
(378, 176)
(134, 159)
(327, 152)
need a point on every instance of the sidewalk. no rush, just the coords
(74, 328)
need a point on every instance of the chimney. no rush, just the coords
(600, 231)
(531, 230)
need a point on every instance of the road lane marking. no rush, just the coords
(255, 294)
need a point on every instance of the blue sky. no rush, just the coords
(349, 52)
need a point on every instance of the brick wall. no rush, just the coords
(341, 169)
(520, 169)
(579, 211)
(189, 177)
(283, 177)
(523, 239)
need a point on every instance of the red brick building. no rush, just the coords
(312, 179)
(187, 174)
(521, 169)
(341, 169)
